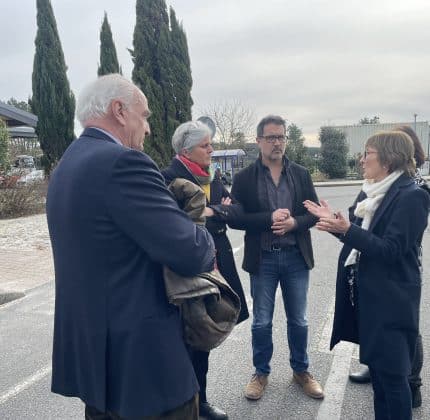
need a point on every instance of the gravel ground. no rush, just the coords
(25, 233)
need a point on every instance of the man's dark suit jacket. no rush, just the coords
(245, 191)
(117, 341)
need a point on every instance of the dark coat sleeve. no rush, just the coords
(236, 218)
(165, 232)
(235, 215)
(407, 222)
(304, 219)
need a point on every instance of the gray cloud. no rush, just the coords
(316, 62)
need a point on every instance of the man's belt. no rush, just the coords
(278, 247)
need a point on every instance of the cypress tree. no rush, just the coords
(53, 101)
(181, 70)
(162, 71)
(151, 23)
(166, 81)
(108, 58)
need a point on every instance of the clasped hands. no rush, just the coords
(329, 221)
(282, 222)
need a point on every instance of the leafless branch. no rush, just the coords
(232, 119)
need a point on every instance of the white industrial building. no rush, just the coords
(356, 135)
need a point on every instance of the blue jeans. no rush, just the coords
(391, 396)
(287, 267)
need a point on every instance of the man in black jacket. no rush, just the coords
(281, 254)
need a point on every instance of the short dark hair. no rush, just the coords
(419, 154)
(270, 119)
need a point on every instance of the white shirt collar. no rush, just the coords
(108, 134)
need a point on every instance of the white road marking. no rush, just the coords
(26, 383)
(334, 389)
(41, 373)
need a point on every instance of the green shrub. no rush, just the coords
(22, 200)
(4, 148)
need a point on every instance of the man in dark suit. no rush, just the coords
(113, 224)
(281, 254)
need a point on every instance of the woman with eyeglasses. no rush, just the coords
(192, 143)
(415, 382)
(378, 285)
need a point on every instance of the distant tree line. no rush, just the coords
(367, 120)
(22, 105)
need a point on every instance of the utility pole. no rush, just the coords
(415, 122)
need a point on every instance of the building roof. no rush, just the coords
(22, 132)
(15, 117)
(228, 153)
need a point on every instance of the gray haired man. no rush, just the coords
(113, 224)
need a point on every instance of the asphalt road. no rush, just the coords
(26, 334)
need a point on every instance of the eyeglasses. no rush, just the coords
(273, 139)
(366, 153)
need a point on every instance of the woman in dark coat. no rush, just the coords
(415, 382)
(192, 143)
(378, 285)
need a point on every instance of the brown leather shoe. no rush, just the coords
(255, 387)
(310, 386)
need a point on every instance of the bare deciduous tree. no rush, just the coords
(232, 119)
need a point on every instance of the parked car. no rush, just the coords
(24, 161)
(22, 172)
(33, 176)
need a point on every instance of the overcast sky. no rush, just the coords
(315, 62)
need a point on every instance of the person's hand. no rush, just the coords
(334, 224)
(208, 212)
(226, 201)
(283, 226)
(280, 215)
(322, 210)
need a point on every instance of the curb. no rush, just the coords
(337, 183)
